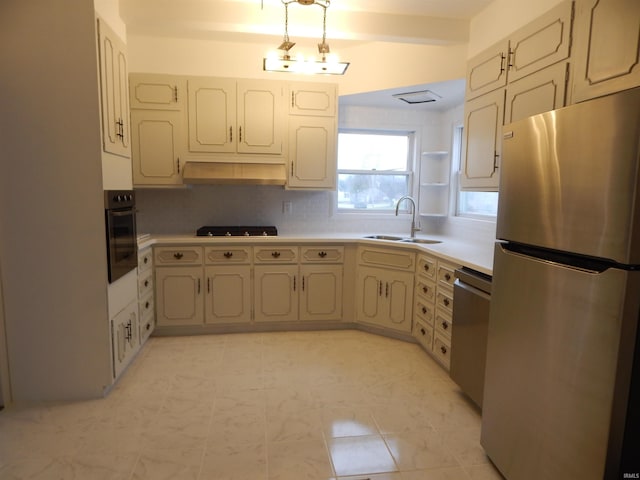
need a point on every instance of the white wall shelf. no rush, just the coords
(434, 184)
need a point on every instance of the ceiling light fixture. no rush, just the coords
(328, 64)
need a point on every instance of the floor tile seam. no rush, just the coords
(328, 453)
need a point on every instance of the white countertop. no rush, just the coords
(466, 252)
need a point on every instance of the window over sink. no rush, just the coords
(374, 170)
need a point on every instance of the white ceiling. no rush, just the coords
(349, 22)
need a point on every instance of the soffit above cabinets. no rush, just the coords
(435, 22)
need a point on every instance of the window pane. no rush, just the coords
(358, 151)
(478, 203)
(371, 192)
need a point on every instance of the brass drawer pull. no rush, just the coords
(178, 255)
(322, 254)
(275, 254)
(228, 254)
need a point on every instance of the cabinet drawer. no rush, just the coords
(424, 334)
(147, 324)
(322, 254)
(442, 349)
(424, 312)
(227, 255)
(178, 255)
(145, 283)
(386, 258)
(425, 289)
(145, 260)
(426, 267)
(446, 274)
(444, 300)
(276, 254)
(443, 324)
(146, 306)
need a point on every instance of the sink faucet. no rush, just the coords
(414, 227)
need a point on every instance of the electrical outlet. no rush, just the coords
(287, 208)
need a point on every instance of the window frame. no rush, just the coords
(412, 136)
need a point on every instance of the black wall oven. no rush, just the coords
(120, 218)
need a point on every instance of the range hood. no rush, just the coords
(234, 173)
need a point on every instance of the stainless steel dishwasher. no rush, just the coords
(472, 294)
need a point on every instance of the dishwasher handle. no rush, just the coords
(471, 289)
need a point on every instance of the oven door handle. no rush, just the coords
(121, 213)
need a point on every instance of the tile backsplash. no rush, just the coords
(182, 211)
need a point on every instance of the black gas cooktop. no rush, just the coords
(237, 231)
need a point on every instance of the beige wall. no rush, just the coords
(374, 66)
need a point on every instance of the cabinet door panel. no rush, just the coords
(276, 293)
(607, 47)
(312, 150)
(540, 92)
(156, 92)
(155, 141)
(179, 300)
(260, 114)
(321, 297)
(368, 296)
(488, 71)
(399, 289)
(212, 115)
(313, 99)
(228, 294)
(482, 143)
(543, 42)
(114, 91)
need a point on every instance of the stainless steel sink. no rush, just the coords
(383, 237)
(427, 241)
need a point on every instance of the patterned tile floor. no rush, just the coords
(268, 406)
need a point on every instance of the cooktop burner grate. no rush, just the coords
(237, 231)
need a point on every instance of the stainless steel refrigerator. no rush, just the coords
(561, 395)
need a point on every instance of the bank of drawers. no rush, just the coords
(433, 306)
(146, 305)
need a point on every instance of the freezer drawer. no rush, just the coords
(551, 378)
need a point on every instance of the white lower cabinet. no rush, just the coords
(434, 306)
(146, 304)
(276, 293)
(179, 286)
(228, 285)
(384, 287)
(321, 292)
(124, 337)
(179, 300)
(384, 298)
(228, 296)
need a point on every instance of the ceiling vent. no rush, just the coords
(422, 96)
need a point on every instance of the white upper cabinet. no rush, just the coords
(157, 133)
(483, 119)
(542, 43)
(607, 54)
(317, 99)
(114, 92)
(156, 141)
(487, 71)
(541, 91)
(530, 78)
(312, 152)
(156, 92)
(229, 116)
